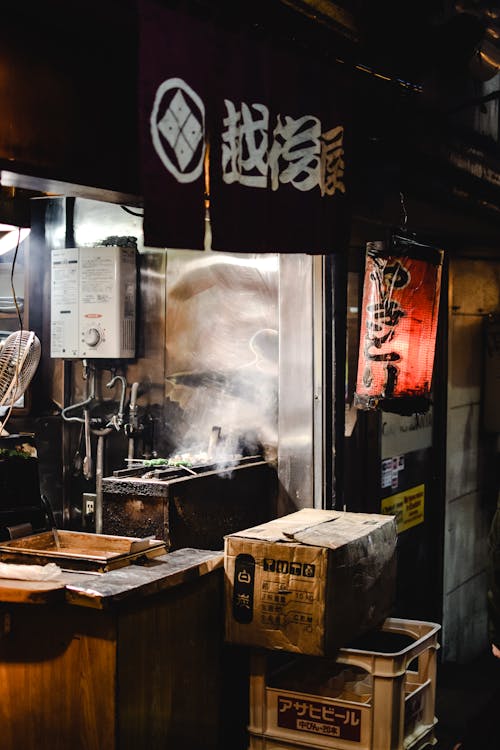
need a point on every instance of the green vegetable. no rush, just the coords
(165, 462)
(10, 452)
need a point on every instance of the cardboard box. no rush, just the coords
(309, 582)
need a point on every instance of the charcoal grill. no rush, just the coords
(189, 505)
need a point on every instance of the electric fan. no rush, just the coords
(19, 358)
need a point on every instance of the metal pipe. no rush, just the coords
(213, 442)
(87, 461)
(85, 402)
(132, 420)
(98, 483)
(131, 449)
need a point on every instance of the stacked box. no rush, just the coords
(311, 581)
(362, 700)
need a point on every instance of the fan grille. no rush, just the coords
(19, 358)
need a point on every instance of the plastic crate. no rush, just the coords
(380, 699)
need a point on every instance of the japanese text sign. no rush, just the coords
(263, 129)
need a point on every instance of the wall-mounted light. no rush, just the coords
(398, 326)
(11, 237)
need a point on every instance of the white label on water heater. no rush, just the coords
(64, 303)
(97, 280)
(93, 302)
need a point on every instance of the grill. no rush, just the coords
(189, 505)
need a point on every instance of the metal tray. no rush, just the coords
(80, 551)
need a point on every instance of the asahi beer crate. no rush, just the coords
(362, 700)
(309, 582)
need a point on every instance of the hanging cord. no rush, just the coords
(207, 240)
(14, 297)
(404, 215)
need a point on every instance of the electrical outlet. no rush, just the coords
(88, 503)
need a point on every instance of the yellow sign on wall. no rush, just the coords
(407, 506)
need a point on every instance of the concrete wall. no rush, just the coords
(474, 293)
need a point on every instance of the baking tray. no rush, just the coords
(94, 553)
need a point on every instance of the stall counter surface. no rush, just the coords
(105, 590)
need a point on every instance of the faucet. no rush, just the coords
(117, 419)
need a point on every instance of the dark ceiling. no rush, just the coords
(415, 39)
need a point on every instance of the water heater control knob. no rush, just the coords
(92, 337)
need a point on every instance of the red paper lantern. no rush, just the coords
(398, 326)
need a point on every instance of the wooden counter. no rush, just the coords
(126, 659)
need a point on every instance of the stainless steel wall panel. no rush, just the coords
(296, 382)
(221, 348)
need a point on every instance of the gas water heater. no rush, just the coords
(93, 302)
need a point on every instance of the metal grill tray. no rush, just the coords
(94, 553)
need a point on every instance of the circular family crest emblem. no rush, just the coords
(178, 129)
